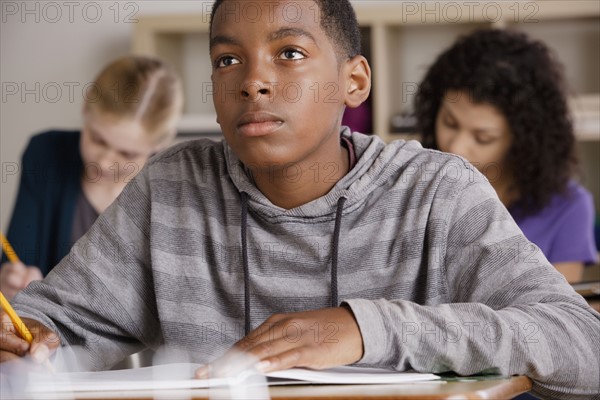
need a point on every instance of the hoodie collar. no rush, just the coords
(351, 186)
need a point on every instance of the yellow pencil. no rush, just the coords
(8, 250)
(20, 326)
(16, 320)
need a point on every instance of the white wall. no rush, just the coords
(49, 44)
(45, 45)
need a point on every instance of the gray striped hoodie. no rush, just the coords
(438, 275)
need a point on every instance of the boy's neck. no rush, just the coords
(307, 181)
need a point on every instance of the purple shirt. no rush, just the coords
(564, 229)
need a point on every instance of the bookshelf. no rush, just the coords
(401, 39)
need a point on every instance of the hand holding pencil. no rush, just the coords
(14, 275)
(21, 336)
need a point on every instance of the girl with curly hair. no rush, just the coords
(497, 98)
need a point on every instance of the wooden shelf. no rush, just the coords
(585, 110)
(403, 39)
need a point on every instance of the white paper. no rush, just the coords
(352, 376)
(180, 376)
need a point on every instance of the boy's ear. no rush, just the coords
(358, 81)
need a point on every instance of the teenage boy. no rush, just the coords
(303, 244)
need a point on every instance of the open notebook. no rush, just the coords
(179, 376)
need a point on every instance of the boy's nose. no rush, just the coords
(254, 90)
(258, 77)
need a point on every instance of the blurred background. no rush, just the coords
(50, 51)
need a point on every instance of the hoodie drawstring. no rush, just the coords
(244, 196)
(334, 257)
(335, 251)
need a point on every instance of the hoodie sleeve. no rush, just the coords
(100, 296)
(509, 311)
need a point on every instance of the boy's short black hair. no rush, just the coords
(338, 20)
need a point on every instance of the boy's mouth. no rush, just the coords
(258, 123)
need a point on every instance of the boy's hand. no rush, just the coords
(45, 341)
(314, 339)
(16, 276)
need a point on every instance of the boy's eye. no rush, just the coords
(226, 61)
(292, 54)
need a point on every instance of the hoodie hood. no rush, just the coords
(372, 155)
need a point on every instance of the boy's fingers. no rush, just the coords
(6, 356)
(229, 364)
(11, 343)
(203, 372)
(42, 336)
(270, 329)
(43, 347)
(44, 344)
(7, 324)
(296, 357)
(262, 335)
(235, 362)
(271, 348)
(9, 340)
(40, 353)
